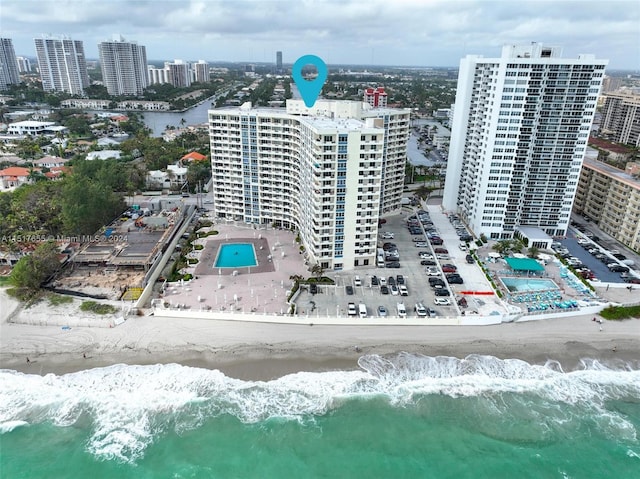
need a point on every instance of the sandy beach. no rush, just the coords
(249, 350)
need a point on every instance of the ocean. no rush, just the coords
(405, 416)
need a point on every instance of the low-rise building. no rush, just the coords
(13, 177)
(29, 127)
(611, 198)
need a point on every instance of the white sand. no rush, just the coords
(221, 344)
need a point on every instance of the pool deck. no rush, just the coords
(261, 247)
(261, 288)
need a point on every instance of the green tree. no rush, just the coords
(533, 252)
(88, 205)
(31, 270)
(198, 172)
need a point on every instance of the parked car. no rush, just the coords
(389, 246)
(403, 290)
(384, 289)
(383, 281)
(442, 292)
(352, 310)
(349, 289)
(374, 280)
(427, 262)
(393, 265)
(402, 311)
(449, 268)
(432, 272)
(436, 241)
(617, 268)
(387, 235)
(394, 290)
(391, 280)
(442, 301)
(399, 279)
(382, 311)
(441, 250)
(469, 259)
(313, 288)
(420, 310)
(357, 281)
(454, 279)
(421, 244)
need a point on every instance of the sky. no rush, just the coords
(363, 32)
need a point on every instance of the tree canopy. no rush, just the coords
(31, 270)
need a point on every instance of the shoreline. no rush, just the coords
(263, 351)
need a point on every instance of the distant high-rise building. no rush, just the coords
(611, 84)
(330, 171)
(24, 65)
(179, 75)
(278, 62)
(124, 67)
(376, 97)
(621, 118)
(158, 75)
(519, 135)
(8, 64)
(62, 64)
(200, 71)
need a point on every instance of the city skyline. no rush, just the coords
(403, 32)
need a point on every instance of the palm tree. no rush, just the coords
(533, 252)
(318, 270)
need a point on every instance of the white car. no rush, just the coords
(402, 311)
(432, 272)
(387, 235)
(383, 281)
(394, 289)
(357, 281)
(440, 301)
(403, 290)
(420, 310)
(421, 244)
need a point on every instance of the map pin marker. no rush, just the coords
(309, 89)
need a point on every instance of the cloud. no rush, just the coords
(400, 31)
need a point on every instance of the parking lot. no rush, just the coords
(334, 300)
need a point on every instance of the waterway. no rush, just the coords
(158, 121)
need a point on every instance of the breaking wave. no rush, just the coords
(126, 407)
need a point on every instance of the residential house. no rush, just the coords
(13, 177)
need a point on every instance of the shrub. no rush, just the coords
(187, 277)
(58, 299)
(192, 261)
(198, 247)
(620, 312)
(97, 308)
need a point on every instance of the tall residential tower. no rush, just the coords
(8, 64)
(330, 171)
(62, 64)
(518, 139)
(124, 67)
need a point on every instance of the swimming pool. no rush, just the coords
(519, 285)
(235, 255)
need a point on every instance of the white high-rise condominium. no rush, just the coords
(178, 73)
(62, 64)
(519, 135)
(200, 70)
(24, 65)
(331, 171)
(124, 67)
(8, 64)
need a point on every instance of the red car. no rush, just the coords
(441, 250)
(449, 268)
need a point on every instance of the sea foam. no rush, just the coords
(126, 407)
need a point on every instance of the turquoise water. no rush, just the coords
(518, 285)
(235, 255)
(408, 416)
